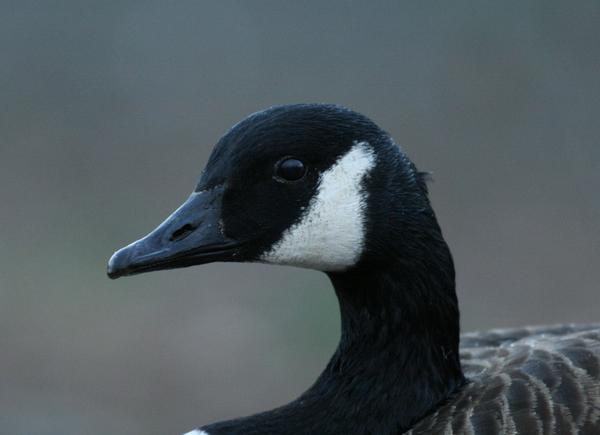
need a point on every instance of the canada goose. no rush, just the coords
(323, 187)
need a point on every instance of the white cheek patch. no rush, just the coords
(196, 432)
(331, 231)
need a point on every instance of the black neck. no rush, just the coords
(396, 360)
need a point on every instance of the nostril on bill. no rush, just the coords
(182, 232)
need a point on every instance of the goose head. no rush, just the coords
(310, 185)
(322, 187)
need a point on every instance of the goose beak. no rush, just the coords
(191, 235)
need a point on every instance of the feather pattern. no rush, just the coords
(535, 380)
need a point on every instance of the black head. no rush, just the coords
(309, 185)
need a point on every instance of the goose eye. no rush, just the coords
(290, 169)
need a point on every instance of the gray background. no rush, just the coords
(109, 110)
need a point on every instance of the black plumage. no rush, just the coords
(398, 367)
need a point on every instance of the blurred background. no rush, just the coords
(109, 110)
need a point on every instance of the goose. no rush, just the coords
(323, 187)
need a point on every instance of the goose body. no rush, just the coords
(533, 381)
(322, 187)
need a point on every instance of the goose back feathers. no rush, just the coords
(533, 381)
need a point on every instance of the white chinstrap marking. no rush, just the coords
(196, 432)
(331, 231)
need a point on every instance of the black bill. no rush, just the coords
(191, 235)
